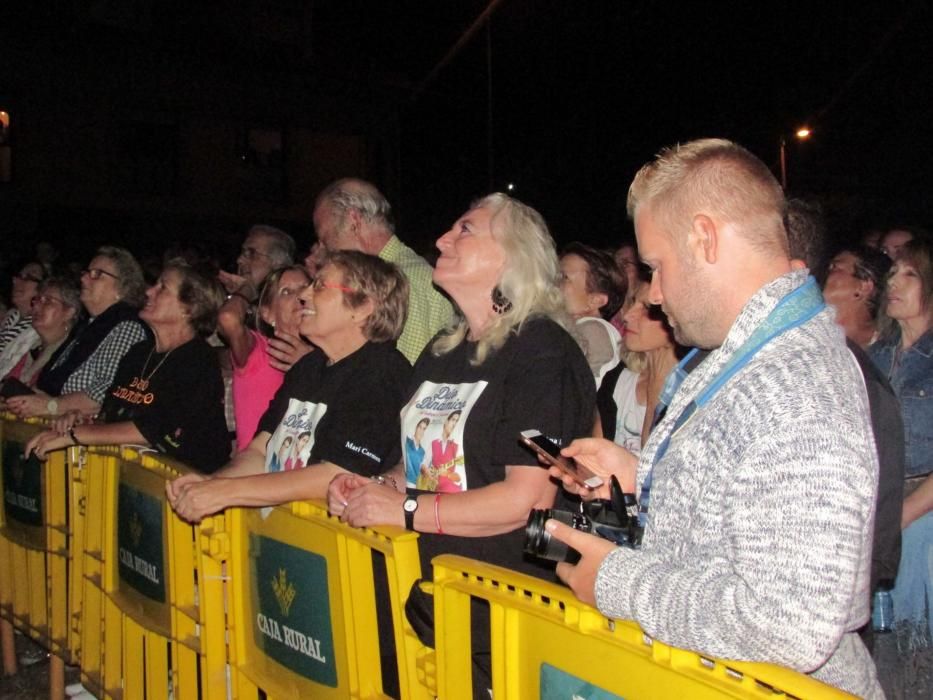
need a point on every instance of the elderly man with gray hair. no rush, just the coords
(351, 214)
(265, 249)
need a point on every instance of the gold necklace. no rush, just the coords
(143, 379)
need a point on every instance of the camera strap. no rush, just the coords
(793, 310)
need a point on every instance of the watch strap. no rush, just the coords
(410, 514)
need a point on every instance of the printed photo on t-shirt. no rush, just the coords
(433, 425)
(291, 443)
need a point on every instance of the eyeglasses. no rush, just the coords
(320, 285)
(22, 277)
(46, 299)
(251, 253)
(95, 273)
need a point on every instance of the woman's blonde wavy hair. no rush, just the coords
(530, 280)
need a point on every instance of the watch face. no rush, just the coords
(411, 505)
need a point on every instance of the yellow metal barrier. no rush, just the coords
(146, 586)
(303, 614)
(546, 644)
(37, 547)
(96, 566)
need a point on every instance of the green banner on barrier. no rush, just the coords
(560, 685)
(140, 542)
(292, 606)
(22, 485)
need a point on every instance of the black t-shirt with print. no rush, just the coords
(346, 413)
(177, 403)
(538, 379)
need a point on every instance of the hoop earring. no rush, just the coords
(500, 302)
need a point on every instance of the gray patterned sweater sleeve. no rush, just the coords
(759, 533)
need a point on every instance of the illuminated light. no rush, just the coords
(5, 119)
(803, 133)
(510, 187)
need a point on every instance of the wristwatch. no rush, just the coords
(51, 407)
(409, 506)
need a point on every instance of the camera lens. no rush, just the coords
(538, 541)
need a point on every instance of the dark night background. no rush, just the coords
(131, 119)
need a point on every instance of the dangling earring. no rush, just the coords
(500, 302)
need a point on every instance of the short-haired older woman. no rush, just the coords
(507, 365)
(55, 310)
(904, 352)
(594, 289)
(855, 280)
(340, 403)
(78, 376)
(167, 392)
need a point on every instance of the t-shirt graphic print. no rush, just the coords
(433, 424)
(291, 443)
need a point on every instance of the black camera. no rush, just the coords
(596, 517)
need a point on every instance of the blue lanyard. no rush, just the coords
(793, 310)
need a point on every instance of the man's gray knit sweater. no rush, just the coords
(760, 518)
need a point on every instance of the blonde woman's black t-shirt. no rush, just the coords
(176, 400)
(538, 380)
(345, 413)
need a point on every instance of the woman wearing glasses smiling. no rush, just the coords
(55, 310)
(78, 376)
(168, 392)
(341, 402)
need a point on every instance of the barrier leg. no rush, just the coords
(9, 647)
(56, 677)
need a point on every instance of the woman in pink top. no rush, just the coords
(255, 380)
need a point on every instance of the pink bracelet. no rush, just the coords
(437, 513)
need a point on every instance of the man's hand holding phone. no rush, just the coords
(603, 458)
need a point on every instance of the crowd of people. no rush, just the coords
(781, 434)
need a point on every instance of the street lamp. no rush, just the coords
(802, 134)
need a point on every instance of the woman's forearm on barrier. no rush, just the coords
(250, 460)
(78, 401)
(482, 512)
(123, 433)
(107, 434)
(196, 500)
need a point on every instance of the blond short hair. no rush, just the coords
(718, 176)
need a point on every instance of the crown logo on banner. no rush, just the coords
(284, 592)
(136, 530)
(18, 472)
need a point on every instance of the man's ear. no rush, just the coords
(703, 240)
(354, 221)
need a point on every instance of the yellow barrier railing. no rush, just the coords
(146, 587)
(547, 644)
(36, 548)
(283, 602)
(303, 611)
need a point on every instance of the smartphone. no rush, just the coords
(550, 452)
